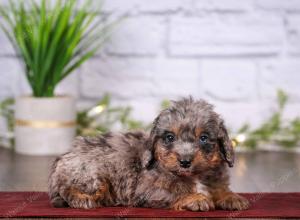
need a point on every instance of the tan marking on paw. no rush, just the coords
(232, 201)
(98, 195)
(194, 202)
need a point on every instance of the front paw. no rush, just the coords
(194, 202)
(232, 201)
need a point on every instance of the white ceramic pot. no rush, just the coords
(44, 126)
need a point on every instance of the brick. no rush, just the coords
(176, 78)
(165, 6)
(229, 80)
(280, 74)
(144, 109)
(293, 34)
(120, 68)
(69, 85)
(137, 36)
(291, 111)
(141, 77)
(121, 78)
(232, 35)
(238, 114)
(23, 87)
(10, 71)
(223, 5)
(290, 5)
(119, 5)
(6, 46)
(154, 6)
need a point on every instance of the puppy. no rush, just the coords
(180, 165)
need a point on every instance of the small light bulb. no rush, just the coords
(96, 110)
(240, 138)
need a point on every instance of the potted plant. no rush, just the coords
(52, 40)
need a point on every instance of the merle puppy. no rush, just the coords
(181, 165)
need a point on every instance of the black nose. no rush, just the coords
(185, 163)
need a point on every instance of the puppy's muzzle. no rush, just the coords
(185, 154)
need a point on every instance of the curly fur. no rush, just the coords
(145, 170)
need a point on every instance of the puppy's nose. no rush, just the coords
(185, 163)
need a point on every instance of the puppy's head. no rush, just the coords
(189, 138)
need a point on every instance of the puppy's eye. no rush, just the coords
(203, 139)
(169, 138)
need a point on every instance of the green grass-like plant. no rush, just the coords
(274, 130)
(52, 39)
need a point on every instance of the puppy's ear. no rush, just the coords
(225, 145)
(147, 157)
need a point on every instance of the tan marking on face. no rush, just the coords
(198, 158)
(215, 158)
(175, 129)
(207, 161)
(198, 131)
(167, 158)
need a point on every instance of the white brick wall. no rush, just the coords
(219, 35)
(234, 53)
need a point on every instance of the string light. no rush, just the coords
(240, 138)
(96, 110)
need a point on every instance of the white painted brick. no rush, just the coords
(176, 69)
(120, 68)
(23, 87)
(154, 6)
(289, 5)
(123, 78)
(144, 109)
(6, 47)
(69, 85)
(236, 115)
(293, 34)
(223, 5)
(10, 69)
(176, 78)
(153, 77)
(280, 74)
(133, 88)
(229, 80)
(119, 5)
(237, 35)
(159, 6)
(291, 111)
(137, 36)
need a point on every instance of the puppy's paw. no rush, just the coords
(232, 201)
(194, 202)
(83, 204)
